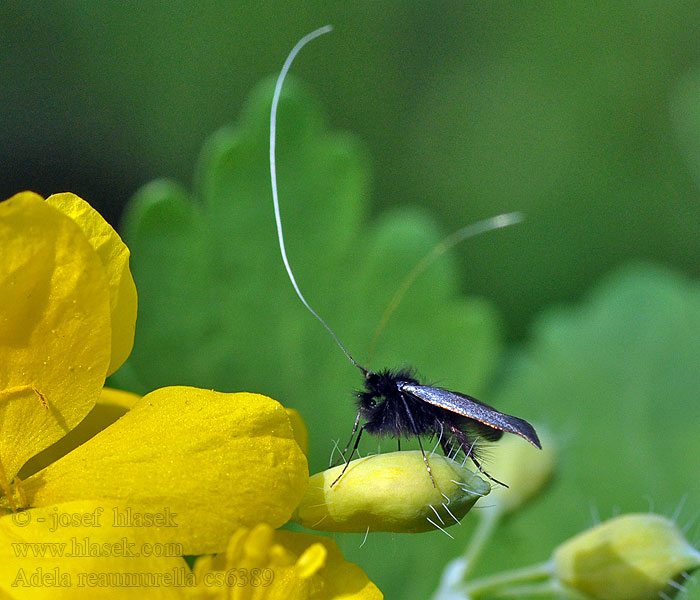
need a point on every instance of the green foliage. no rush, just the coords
(619, 376)
(560, 110)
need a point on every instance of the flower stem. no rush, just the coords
(487, 585)
(487, 523)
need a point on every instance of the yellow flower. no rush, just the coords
(631, 557)
(181, 468)
(281, 565)
(64, 300)
(390, 492)
(59, 296)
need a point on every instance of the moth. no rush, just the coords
(394, 403)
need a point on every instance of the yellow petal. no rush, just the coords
(54, 327)
(113, 399)
(390, 492)
(212, 461)
(111, 405)
(72, 550)
(114, 255)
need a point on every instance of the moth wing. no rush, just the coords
(471, 408)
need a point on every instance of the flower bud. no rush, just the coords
(524, 468)
(390, 492)
(631, 557)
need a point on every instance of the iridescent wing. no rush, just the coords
(471, 408)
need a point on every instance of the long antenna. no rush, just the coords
(273, 179)
(451, 240)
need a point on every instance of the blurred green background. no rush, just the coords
(584, 116)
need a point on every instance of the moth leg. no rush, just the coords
(425, 459)
(467, 447)
(352, 435)
(478, 466)
(447, 447)
(415, 431)
(354, 449)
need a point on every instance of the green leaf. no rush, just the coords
(217, 310)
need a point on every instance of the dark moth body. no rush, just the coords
(395, 404)
(385, 408)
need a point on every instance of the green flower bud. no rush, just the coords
(390, 492)
(631, 557)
